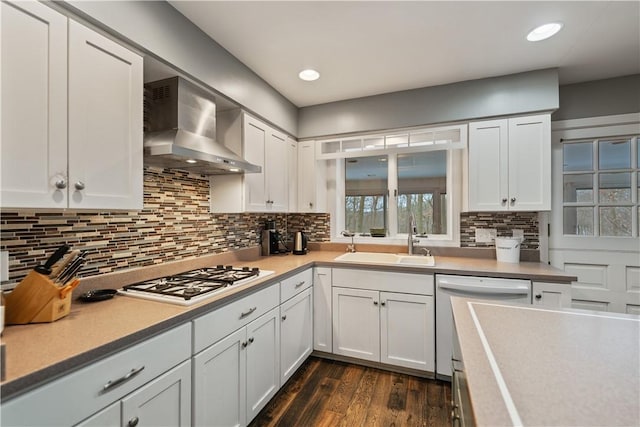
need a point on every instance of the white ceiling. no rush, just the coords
(365, 48)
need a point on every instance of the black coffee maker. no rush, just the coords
(271, 239)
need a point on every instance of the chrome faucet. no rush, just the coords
(410, 234)
(352, 247)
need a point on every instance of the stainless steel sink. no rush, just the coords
(387, 259)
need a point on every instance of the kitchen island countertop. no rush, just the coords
(550, 367)
(37, 353)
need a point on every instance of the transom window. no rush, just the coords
(601, 187)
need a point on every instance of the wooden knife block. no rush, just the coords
(36, 299)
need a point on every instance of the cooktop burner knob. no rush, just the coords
(245, 268)
(229, 267)
(219, 266)
(255, 269)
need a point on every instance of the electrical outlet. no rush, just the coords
(485, 235)
(4, 266)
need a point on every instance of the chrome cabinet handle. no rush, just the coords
(133, 422)
(61, 184)
(300, 284)
(132, 373)
(284, 317)
(248, 312)
(79, 185)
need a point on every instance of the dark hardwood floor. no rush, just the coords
(329, 393)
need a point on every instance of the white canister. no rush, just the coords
(508, 249)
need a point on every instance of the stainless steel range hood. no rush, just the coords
(180, 130)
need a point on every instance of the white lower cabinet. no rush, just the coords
(552, 295)
(322, 326)
(296, 333)
(165, 401)
(236, 377)
(150, 380)
(372, 323)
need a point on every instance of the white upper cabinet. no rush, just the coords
(311, 179)
(34, 100)
(266, 191)
(292, 168)
(510, 164)
(71, 114)
(105, 122)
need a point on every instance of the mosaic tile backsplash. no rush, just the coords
(504, 223)
(175, 224)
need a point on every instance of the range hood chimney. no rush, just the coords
(180, 130)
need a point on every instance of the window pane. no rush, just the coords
(614, 154)
(352, 145)
(615, 221)
(366, 193)
(374, 143)
(422, 190)
(397, 141)
(615, 187)
(578, 188)
(578, 221)
(420, 139)
(577, 156)
(330, 147)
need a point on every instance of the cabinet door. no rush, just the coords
(255, 134)
(109, 416)
(263, 361)
(356, 323)
(292, 178)
(530, 163)
(105, 122)
(553, 295)
(296, 333)
(165, 401)
(306, 177)
(219, 383)
(34, 106)
(407, 330)
(488, 157)
(322, 329)
(276, 172)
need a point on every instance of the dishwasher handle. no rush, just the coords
(484, 288)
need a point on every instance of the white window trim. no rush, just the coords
(587, 129)
(336, 197)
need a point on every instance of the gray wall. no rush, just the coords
(505, 95)
(158, 28)
(619, 95)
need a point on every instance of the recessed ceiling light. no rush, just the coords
(309, 75)
(543, 32)
(191, 161)
(234, 170)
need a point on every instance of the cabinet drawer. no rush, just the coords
(221, 322)
(74, 397)
(295, 284)
(387, 281)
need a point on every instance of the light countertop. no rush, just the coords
(549, 367)
(37, 353)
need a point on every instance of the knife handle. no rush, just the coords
(55, 272)
(55, 257)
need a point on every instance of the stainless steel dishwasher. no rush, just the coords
(489, 288)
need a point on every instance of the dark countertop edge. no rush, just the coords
(24, 384)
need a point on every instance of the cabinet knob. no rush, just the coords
(133, 422)
(375, 303)
(310, 205)
(538, 296)
(383, 303)
(513, 200)
(79, 185)
(284, 317)
(61, 184)
(250, 340)
(504, 200)
(244, 344)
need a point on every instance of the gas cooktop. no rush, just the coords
(193, 286)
